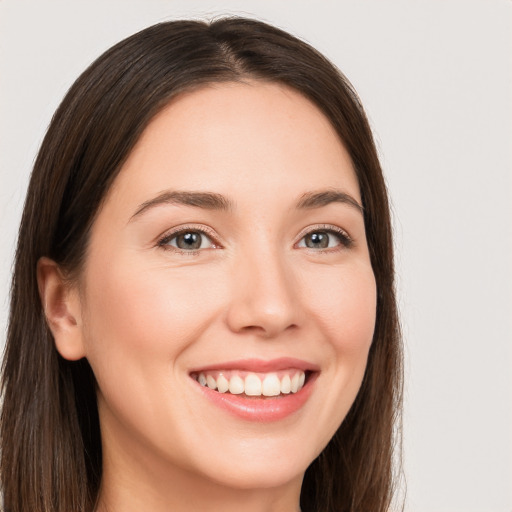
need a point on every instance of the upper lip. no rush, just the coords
(261, 365)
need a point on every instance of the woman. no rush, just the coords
(203, 312)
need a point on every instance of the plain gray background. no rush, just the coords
(435, 78)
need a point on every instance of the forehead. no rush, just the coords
(251, 139)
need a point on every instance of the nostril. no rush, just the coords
(267, 331)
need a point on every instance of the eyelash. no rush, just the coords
(345, 240)
(343, 237)
(164, 241)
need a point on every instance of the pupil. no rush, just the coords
(189, 241)
(317, 240)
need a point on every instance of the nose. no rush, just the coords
(264, 299)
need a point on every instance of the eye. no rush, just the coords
(187, 240)
(325, 239)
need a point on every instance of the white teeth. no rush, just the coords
(286, 384)
(222, 384)
(211, 382)
(236, 385)
(271, 385)
(253, 385)
(294, 387)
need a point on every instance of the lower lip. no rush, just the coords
(264, 409)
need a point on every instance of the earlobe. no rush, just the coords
(62, 308)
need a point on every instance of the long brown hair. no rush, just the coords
(50, 440)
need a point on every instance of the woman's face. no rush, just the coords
(230, 254)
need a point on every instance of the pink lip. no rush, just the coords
(261, 409)
(260, 365)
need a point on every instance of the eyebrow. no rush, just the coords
(206, 200)
(311, 200)
(214, 201)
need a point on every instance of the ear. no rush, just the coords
(61, 303)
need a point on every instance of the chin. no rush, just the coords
(264, 464)
(261, 475)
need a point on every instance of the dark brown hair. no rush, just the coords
(50, 441)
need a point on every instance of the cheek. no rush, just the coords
(355, 327)
(358, 312)
(145, 311)
(344, 305)
(343, 300)
(141, 321)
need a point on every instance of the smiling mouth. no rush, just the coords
(253, 384)
(258, 390)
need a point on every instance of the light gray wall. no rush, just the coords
(436, 80)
